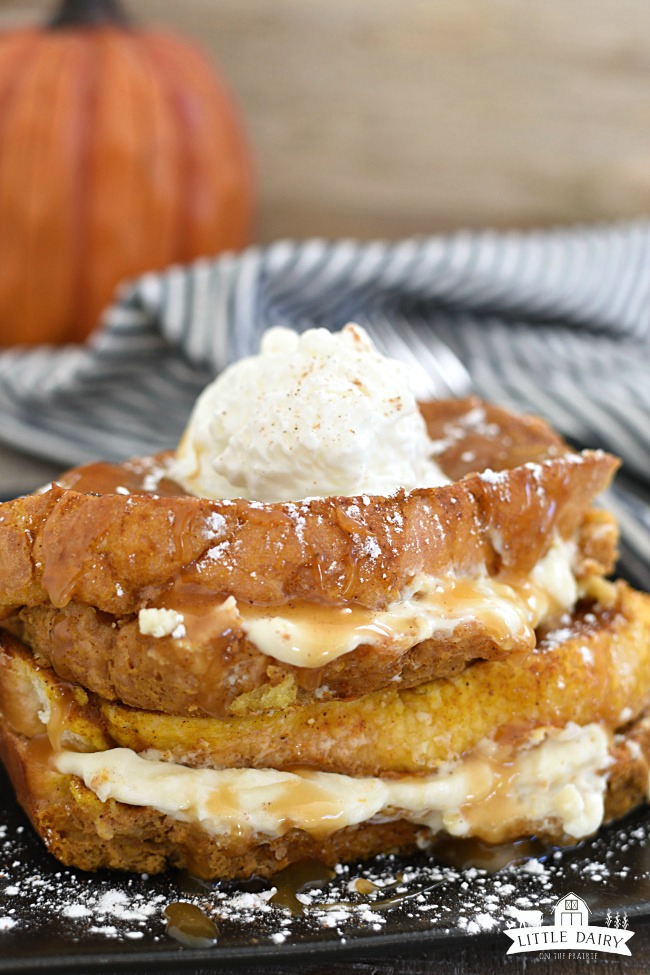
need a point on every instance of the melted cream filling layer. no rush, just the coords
(556, 776)
(311, 635)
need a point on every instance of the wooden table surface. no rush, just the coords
(382, 118)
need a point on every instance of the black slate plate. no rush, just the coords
(63, 920)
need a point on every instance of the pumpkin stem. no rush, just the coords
(89, 13)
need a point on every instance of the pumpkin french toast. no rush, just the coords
(199, 670)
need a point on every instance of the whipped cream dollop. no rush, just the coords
(313, 415)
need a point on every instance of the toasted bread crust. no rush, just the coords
(122, 553)
(472, 435)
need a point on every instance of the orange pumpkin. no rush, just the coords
(120, 152)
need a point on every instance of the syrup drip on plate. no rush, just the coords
(190, 926)
(296, 879)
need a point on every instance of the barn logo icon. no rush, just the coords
(570, 931)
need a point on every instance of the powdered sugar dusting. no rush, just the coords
(371, 548)
(298, 519)
(215, 525)
(494, 477)
(474, 421)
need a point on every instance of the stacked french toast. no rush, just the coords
(233, 685)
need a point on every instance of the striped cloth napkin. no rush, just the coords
(554, 322)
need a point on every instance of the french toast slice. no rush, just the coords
(119, 552)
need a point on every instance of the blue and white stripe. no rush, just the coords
(554, 322)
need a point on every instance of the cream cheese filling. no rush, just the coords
(311, 635)
(556, 776)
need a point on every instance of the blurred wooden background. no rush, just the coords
(391, 117)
